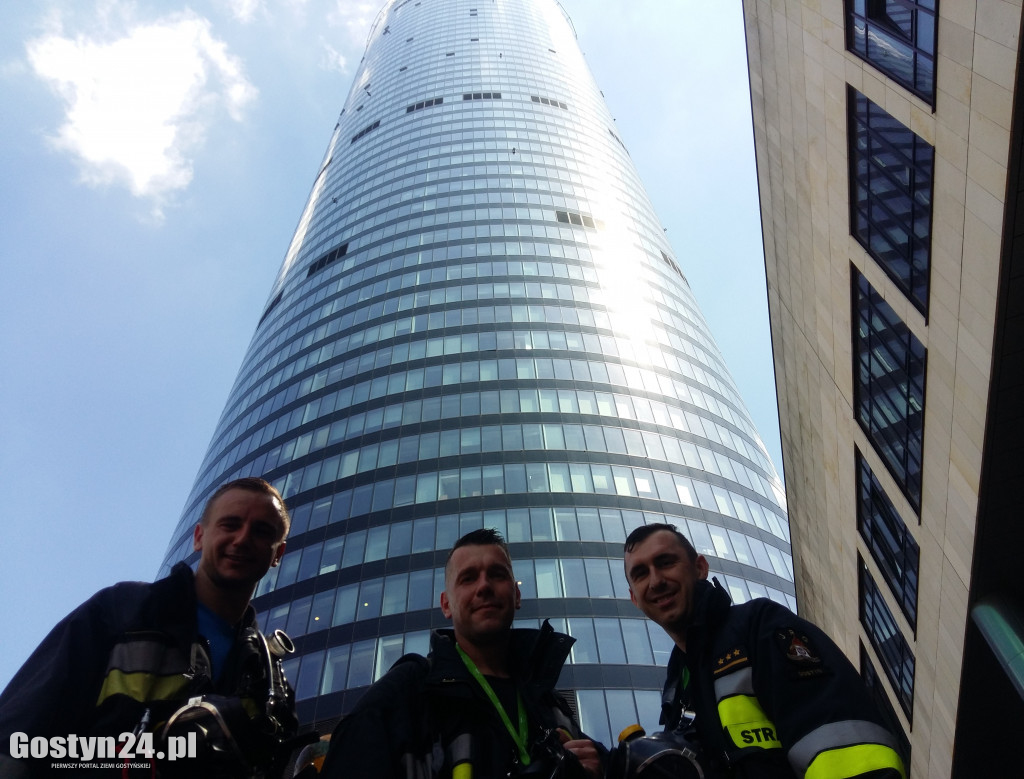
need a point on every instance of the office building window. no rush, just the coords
(885, 637)
(881, 699)
(888, 370)
(897, 37)
(891, 195)
(886, 535)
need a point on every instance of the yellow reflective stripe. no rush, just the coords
(836, 736)
(740, 708)
(142, 686)
(746, 723)
(854, 761)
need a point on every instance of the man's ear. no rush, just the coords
(702, 567)
(197, 538)
(278, 555)
(446, 608)
(519, 596)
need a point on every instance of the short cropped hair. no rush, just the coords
(644, 532)
(487, 536)
(250, 484)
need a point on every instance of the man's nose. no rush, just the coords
(242, 535)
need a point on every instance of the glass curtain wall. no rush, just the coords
(480, 322)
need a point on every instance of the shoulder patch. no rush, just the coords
(797, 647)
(731, 661)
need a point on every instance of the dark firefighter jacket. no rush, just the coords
(774, 696)
(132, 651)
(412, 721)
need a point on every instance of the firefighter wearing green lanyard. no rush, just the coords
(482, 704)
(772, 694)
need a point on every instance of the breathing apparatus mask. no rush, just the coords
(674, 754)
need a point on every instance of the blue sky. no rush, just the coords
(154, 160)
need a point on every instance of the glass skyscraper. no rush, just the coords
(480, 322)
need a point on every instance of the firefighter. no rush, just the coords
(769, 693)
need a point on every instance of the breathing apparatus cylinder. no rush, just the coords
(462, 757)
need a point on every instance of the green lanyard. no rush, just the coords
(521, 736)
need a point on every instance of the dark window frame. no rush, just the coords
(892, 546)
(885, 32)
(878, 694)
(891, 180)
(889, 644)
(369, 128)
(889, 368)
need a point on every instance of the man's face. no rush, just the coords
(662, 580)
(241, 539)
(480, 595)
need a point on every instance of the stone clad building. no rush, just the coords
(888, 141)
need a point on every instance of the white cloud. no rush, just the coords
(138, 106)
(332, 59)
(244, 10)
(355, 18)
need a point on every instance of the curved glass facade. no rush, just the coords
(480, 322)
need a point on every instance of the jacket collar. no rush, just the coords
(711, 606)
(175, 596)
(536, 655)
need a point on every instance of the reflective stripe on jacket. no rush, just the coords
(146, 669)
(124, 661)
(774, 696)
